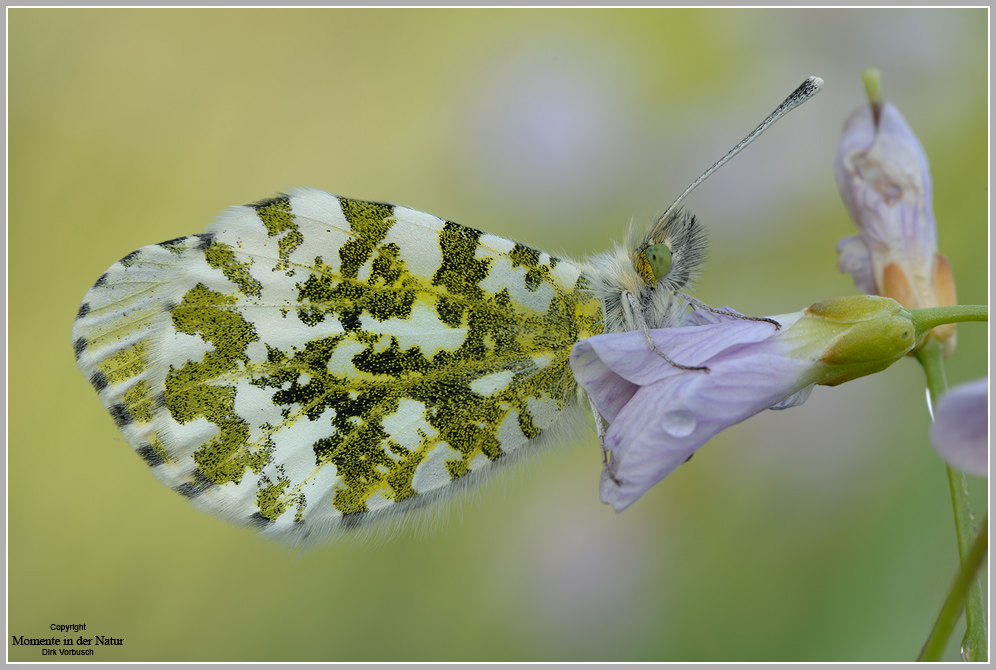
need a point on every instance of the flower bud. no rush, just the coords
(857, 335)
(884, 178)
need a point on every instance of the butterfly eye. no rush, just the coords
(659, 259)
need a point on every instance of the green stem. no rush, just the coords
(974, 647)
(931, 317)
(951, 609)
(873, 88)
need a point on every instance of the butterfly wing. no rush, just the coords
(312, 362)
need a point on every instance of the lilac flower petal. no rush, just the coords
(592, 373)
(701, 317)
(856, 260)
(665, 423)
(612, 367)
(960, 430)
(659, 414)
(629, 355)
(884, 179)
(878, 169)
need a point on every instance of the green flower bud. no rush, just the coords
(853, 336)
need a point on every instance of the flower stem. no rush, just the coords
(931, 317)
(974, 647)
(951, 609)
(872, 79)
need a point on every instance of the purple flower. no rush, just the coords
(884, 179)
(659, 414)
(960, 430)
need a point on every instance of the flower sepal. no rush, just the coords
(863, 334)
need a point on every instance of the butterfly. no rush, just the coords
(312, 364)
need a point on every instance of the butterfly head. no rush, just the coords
(670, 252)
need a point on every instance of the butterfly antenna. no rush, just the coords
(806, 90)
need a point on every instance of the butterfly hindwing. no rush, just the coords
(312, 362)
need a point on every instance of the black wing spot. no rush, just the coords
(353, 520)
(193, 489)
(84, 310)
(259, 521)
(176, 241)
(267, 202)
(121, 415)
(79, 346)
(149, 455)
(98, 380)
(188, 491)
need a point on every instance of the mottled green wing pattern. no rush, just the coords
(311, 363)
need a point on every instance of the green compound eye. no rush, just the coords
(659, 258)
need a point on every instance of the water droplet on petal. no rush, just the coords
(679, 423)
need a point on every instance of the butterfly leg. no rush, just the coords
(701, 305)
(599, 429)
(641, 321)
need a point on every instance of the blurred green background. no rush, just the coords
(820, 533)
